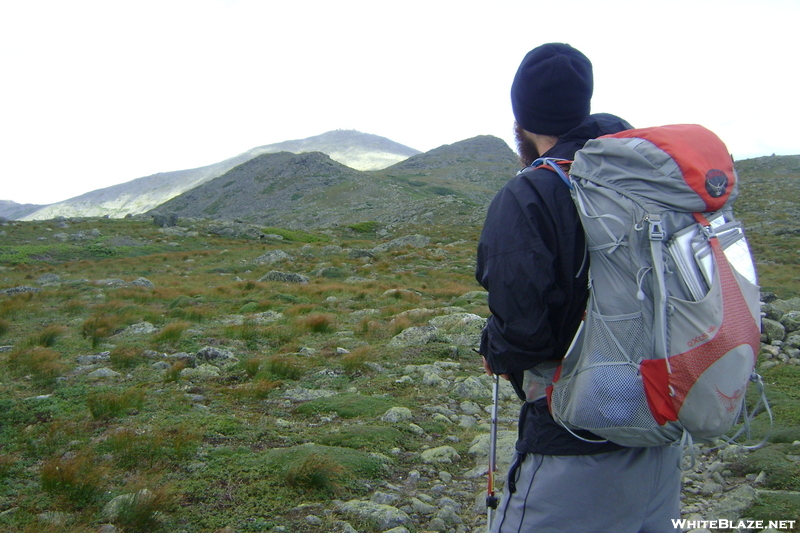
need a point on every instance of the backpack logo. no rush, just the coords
(716, 182)
(731, 403)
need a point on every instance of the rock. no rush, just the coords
(791, 321)
(459, 323)
(415, 241)
(142, 328)
(285, 277)
(103, 373)
(215, 356)
(164, 220)
(304, 395)
(143, 282)
(397, 414)
(93, 359)
(49, 280)
(111, 282)
(273, 256)
(414, 336)
(506, 448)
(383, 516)
(113, 508)
(440, 455)
(734, 503)
(20, 289)
(774, 330)
(472, 387)
(473, 296)
(201, 372)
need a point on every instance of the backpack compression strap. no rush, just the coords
(559, 166)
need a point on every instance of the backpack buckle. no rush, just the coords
(657, 232)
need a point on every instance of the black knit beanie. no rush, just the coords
(552, 89)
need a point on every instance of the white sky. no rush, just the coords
(95, 93)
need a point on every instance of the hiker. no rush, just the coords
(532, 261)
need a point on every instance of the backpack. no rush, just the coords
(672, 328)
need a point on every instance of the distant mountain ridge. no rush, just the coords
(352, 148)
(453, 182)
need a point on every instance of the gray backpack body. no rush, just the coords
(672, 327)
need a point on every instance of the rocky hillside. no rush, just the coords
(354, 149)
(351, 148)
(450, 184)
(14, 211)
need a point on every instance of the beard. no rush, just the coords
(526, 150)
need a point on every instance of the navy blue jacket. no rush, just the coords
(531, 260)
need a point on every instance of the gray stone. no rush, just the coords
(273, 256)
(204, 371)
(211, 354)
(466, 323)
(143, 282)
(49, 280)
(774, 330)
(93, 359)
(141, 328)
(113, 508)
(397, 414)
(475, 296)
(304, 395)
(414, 336)
(285, 277)
(103, 373)
(791, 321)
(472, 387)
(415, 241)
(440, 455)
(734, 503)
(383, 516)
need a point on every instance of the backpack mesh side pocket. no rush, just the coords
(601, 387)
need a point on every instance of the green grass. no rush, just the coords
(348, 405)
(233, 451)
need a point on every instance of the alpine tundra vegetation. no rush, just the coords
(211, 375)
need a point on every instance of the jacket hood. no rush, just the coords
(592, 127)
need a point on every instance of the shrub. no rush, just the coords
(4, 326)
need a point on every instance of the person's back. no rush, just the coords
(532, 261)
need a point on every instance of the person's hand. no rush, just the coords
(488, 369)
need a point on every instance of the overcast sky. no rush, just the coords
(95, 93)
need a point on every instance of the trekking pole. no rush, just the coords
(491, 499)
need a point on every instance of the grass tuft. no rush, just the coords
(317, 473)
(76, 477)
(110, 404)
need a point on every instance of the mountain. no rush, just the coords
(361, 151)
(351, 148)
(14, 211)
(452, 182)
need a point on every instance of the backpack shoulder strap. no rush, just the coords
(559, 166)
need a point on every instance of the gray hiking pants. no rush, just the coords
(634, 490)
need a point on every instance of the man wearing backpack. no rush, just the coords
(532, 260)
